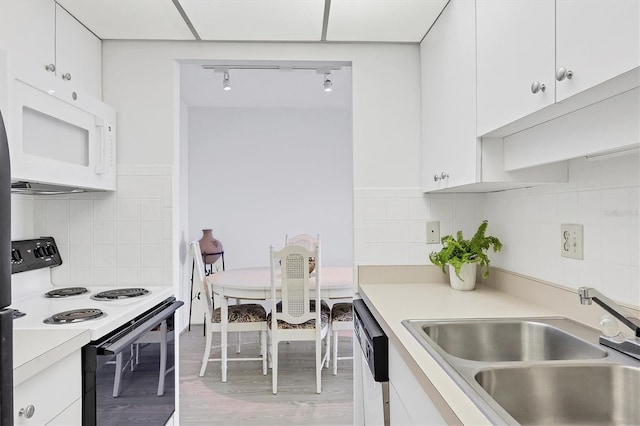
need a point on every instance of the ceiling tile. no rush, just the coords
(260, 20)
(382, 20)
(130, 19)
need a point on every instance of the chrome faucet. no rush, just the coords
(627, 345)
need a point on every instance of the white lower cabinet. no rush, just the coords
(53, 396)
(409, 403)
(70, 416)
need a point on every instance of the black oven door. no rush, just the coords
(143, 395)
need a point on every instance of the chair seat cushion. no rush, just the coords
(251, 312)
(342, 312)
(325, 312)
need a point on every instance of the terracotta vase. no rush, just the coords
(209, 245)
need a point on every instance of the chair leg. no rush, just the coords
(163, 357)
(319, 364)
(263, 351)
(118, 377)
(328, 348)
(207, 351)
(274, 367)
(239, 343)
(335, 351)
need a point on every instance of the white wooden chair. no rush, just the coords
(297, 316)
(242, 317)
(305, 240)
(341, 320)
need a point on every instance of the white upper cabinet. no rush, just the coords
(540, 59)
(27, 28)
(447, 56)
(41, 35)
(78, 54)
(453, 157)
(597, 40)
(515, 52)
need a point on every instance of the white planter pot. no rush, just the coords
(467, 280)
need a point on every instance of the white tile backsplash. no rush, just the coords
(601, 195)
(106, 238)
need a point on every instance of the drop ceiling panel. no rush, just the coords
(130, 19)
(382, 20)
(259, 20)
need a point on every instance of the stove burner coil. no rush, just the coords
(120, 293)
(76, 315)
(66, 292)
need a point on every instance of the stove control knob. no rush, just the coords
(39, 252)
(27, 412)
(16, 257)
(50, 250)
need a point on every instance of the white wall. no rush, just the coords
(258, 174)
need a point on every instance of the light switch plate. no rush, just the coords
(571, 241)
(433, 232)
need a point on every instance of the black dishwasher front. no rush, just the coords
(375, 350)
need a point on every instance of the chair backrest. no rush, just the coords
(199, 277)
(295, 283)
(305, 240)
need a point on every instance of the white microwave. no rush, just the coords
(58, 135)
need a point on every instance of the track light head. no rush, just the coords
(328, 84)
(226, 83)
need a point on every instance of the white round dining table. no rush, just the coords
(255, 283)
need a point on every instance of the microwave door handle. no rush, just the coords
(102, 166)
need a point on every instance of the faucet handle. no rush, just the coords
(609, 326)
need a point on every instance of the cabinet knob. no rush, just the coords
(66, 76)
(563, 73)
(27, 412)
(536, 87)
(50, 68)
(441, 176)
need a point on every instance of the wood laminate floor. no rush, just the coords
(246, 398)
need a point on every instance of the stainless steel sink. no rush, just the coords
(509, 340)
(538, 371)
(566, 394)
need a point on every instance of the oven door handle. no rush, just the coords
(115, 347)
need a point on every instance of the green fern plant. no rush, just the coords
(458, 251)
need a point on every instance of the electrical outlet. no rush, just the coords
(433, 232)
(571, 241)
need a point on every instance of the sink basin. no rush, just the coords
(509, 340)
(581, 394)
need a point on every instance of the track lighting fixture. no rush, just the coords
(328, 85)
(226, 83)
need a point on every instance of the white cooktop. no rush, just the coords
(37, 307)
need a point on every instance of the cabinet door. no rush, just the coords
(516, 47)
(43, 391)
(447, 56)
(27, 29)
(597, 40)
(78, 54)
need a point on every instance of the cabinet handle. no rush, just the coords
(536, 87)
(66, 76)
(27, 412)
(50, 68)
(442, 176)
(563, 73)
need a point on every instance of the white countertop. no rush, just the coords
(393, 302)
(36, 350)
